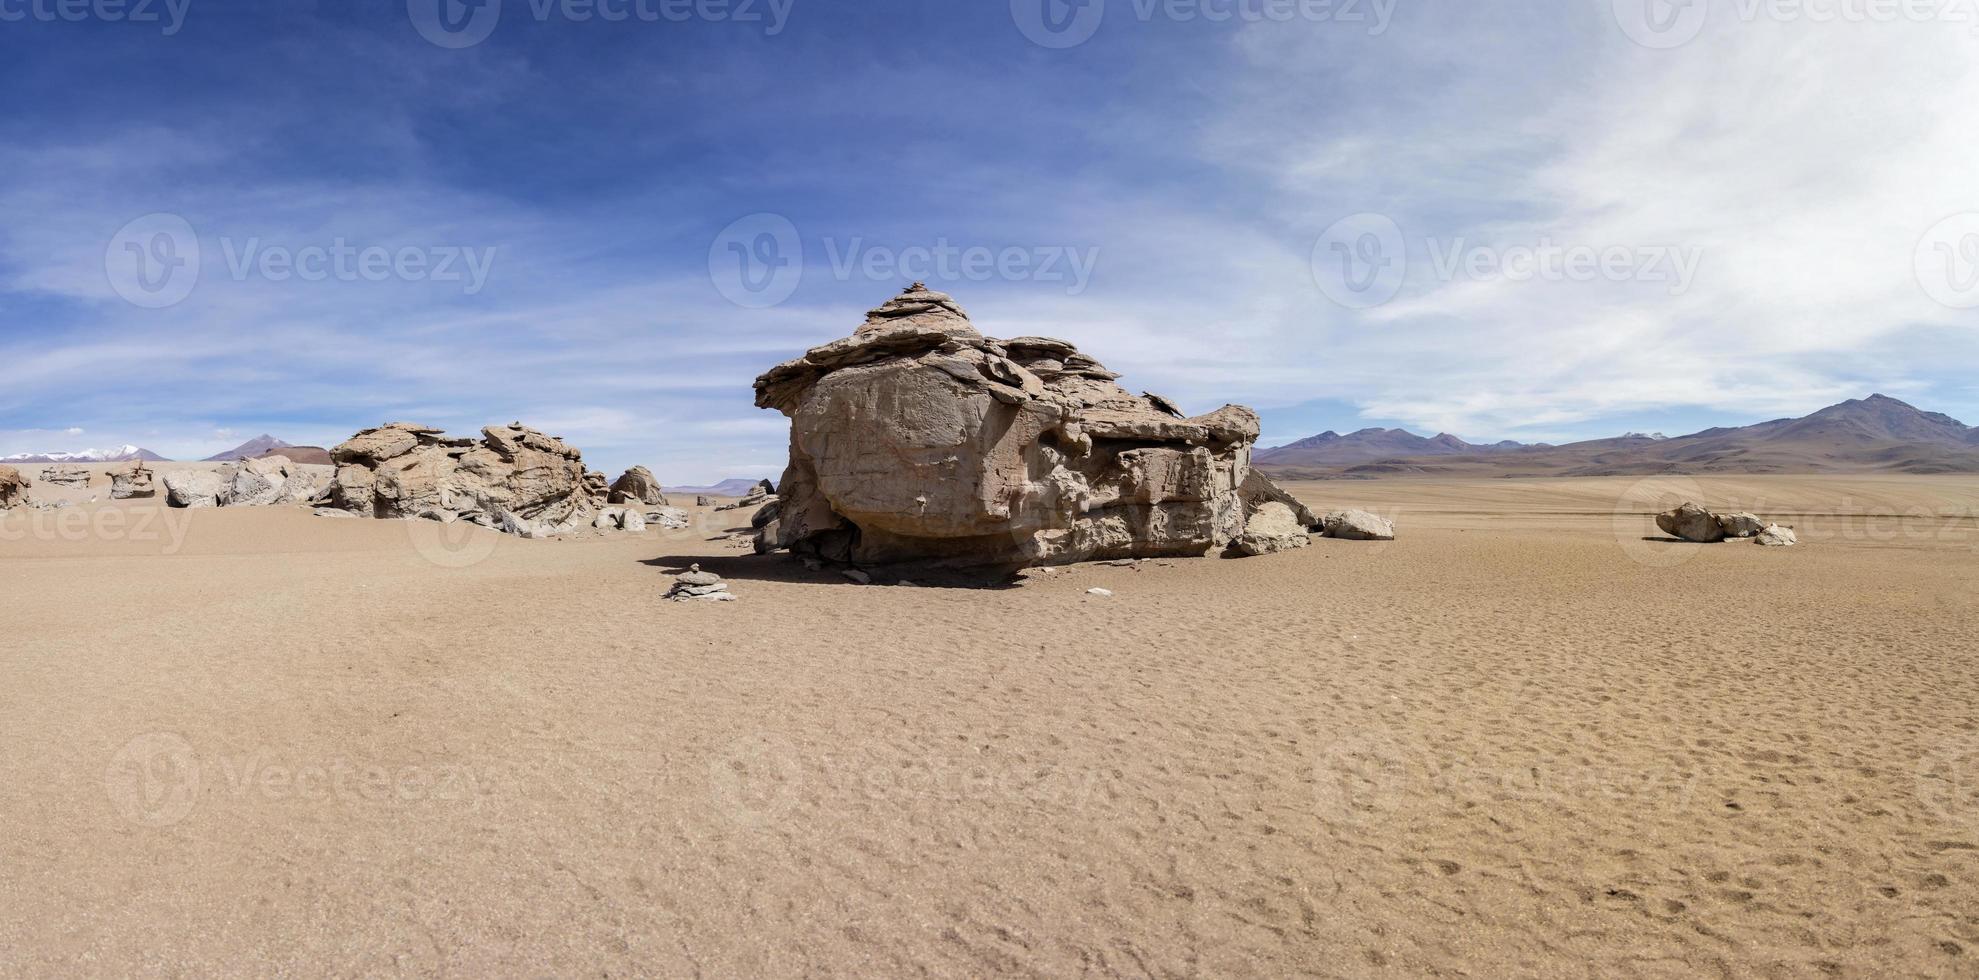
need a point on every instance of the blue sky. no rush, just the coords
(550, 223)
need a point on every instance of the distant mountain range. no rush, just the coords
(735, 487)
(254, 448)
(121, 454)
(1877, 433)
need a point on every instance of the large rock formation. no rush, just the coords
(13, 487)
(919, 439)
(1693, 523)
(193, 488)
(66, 476)
(514, 478)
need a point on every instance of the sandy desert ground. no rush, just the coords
(1523, 739)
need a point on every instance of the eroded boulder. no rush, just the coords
(193, 488)
(134, 481)
(1740, 525)
(514, 478)
(638, 486)
(1691, 523)
(1275, 527)
(1357, 525)
(13, 487)
(917, 439)
(66, 476)
(1777, 536)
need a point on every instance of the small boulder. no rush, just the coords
(1778, 536)
(632, 521)
(704, 502)
(1691, 523)
(192, 489)
(1357, 525)
(670, 518)
(1274, 528)
(638, 486)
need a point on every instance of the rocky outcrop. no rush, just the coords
(514, 478)
(130, 482)
(638, 486)
(1357, 525)
(1691, 523)
(13, 487)
(193, 488)
(917, 439)
(758, 495)
(66, 476)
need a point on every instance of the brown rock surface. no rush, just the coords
(13, 487)
(638, 486)
(919, 439)
(403, 470)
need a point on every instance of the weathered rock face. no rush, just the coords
(638, 486)
(193, 488)
(134, 481)
(1691, 523)
(1273, 528)
(13, 487)
(267, 481)
(66, 476)
(514, 478)
(917, 439)
(1740, 525)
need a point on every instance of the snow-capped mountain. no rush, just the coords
(121, 454)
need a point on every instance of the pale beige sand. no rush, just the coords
(1519, 741)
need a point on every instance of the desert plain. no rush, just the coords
(1529, 737)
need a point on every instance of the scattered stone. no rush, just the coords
(1778, 536)
(192, 489)
(857, 576)
(638, 486)
(514, 478)
(1357, 525)
(670, 518)
(66, 476)
(704, 502)
(695, 584)
(132, 482)
(917, 439)
(1102, 593)
(333, 512)
(1274, 528)
(13, 487)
